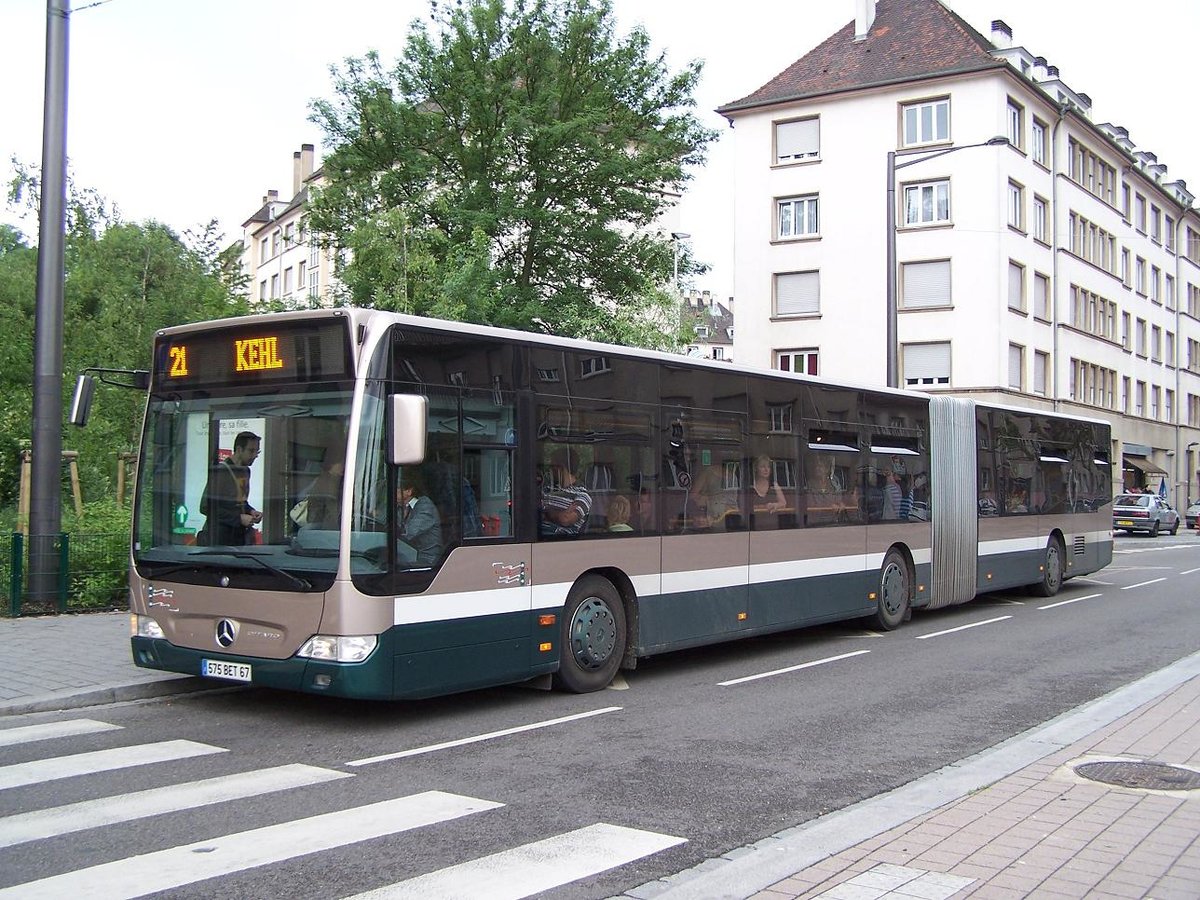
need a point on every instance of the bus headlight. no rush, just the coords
(144, 626)
(334, 648)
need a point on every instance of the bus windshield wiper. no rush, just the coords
(301, 583)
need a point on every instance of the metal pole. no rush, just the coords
(893, 363)
(45, 511)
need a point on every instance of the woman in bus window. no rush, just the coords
(767, 493)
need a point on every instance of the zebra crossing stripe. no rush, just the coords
(46, 823)
(532, 868)
(27, 734)
(39, 770)
(176, 867)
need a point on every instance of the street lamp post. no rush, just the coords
(893, 362)
(677, 237)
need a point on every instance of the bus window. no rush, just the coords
(831, 479)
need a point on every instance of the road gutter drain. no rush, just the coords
(1146, 776)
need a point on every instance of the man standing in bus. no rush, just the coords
(565, 504)
(230, 517)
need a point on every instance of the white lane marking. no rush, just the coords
(1072, 600)
(921, 637)
(27, 734)
(39, 770)
(45, 823)
(176, 867)
(1090, 581)
(1190, 572)
(807, 665)
(532, 868)
(1130, 587)
(417, 751)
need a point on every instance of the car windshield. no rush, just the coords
(1132, 500)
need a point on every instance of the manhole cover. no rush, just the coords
(1145, 775)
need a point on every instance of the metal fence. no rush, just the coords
(92, 572)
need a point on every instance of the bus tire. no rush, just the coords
(593, 636)
(891, 607)
(1052, 570)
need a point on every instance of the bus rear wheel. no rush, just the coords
(1052, 571)
(593, 636)
(892, 603)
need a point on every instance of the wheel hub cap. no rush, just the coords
(593, 634)
(892, 589)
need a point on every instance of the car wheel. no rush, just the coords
(1154, 529)
(593, 636)
(1175, 528)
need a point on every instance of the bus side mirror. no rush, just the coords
(81, 403)
(409, 415)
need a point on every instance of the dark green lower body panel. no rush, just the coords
(410, 661)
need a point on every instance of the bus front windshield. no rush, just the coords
(247, 487)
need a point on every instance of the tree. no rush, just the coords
(123, 282)
(508, 170)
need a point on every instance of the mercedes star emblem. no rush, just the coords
(226, 632)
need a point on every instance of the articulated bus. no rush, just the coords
(718, 502)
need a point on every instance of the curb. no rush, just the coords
(102, 694)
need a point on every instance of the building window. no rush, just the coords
(1155, 224)
(1089, 241)
(1041, 296)
(1126, 277)
(1092, 314)
(1041, 362)
(1155, 284)
(780, 415)
(926, 365)
(594, 365)
(797, 217)
(797, 294)
(1139, 213)
(718, 352)
(1016, 366)
(262, 289)
(1016, 286)
(1015, 118)
(1016, 206)
(1125, 194)
(1193, 301)
(927, 122)
(802, 361)
(1155, 343)
(1169, 290)
(925, 284)
(287, 236)
(1125, 336)
(1169, 234)
(927, 204)
(1170, 349)
(1037, 142)
(1139, 400)
(1091, 172)
(1141, 338)
(275, 242)
(1039, 219)
(1139, 276)
(1155, 393)
(797, 140)
(264, 250)
(1169, 407)
(287, 281)
(1193, 245)
(1125, 395)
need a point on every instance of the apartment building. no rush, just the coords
(1049, 264)
(279, 257)
(709, 322)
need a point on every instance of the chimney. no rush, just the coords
(297, 178)
(1052, 72)
(864, 18)
(302, 167)
(1001, 35)
(1039, 69)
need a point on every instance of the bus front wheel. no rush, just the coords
(892, 603)
(593, 636)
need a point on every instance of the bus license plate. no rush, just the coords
(216, 668)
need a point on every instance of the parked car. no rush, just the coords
(1144, 512)
(1191, 518)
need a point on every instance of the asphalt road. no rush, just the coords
(691, 746)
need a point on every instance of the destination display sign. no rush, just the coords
(301, 351)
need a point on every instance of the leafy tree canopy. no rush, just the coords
(509, 168)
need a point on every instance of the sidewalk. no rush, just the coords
(1018, 820)
(70, 661)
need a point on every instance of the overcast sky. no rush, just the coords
(187, 110)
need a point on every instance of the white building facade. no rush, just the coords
(1059, 270)
(279, 257)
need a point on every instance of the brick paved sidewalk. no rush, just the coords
(1044, 831)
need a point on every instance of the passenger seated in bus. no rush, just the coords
(619, 511)
(420, 526)
(565, 504)
(320, 506)
(714, 506)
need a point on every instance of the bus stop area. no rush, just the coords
(1023, 818)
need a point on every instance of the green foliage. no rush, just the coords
(98, 556)
(124, 281)
(508, 169)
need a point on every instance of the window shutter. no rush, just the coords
(797, 294)
(798, 140)
(1016, 279)
(1014, 366)
(926, 362)
(927, 284)
(1039, 373)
